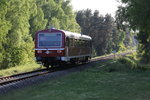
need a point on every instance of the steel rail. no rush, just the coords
(22, 76)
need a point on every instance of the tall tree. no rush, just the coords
(37, 21)
(19, 20)
(101, 29)
(59, 14)
(136, 13)
(4, 27)
(17, 43)
(83, 18)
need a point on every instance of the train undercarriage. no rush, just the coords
(50, 62)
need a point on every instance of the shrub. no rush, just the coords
(116, 66)
(128, 62)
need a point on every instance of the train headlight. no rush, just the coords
(39, 51)
(47, 52)
(59, 51)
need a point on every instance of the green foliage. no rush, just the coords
(20, 69)
(116, 67)
(102, 29)
(135, 13)
(18, 42)
(89, 84)
(124, 64)
(19, 20)
(128, 62)
(59, 14)
(4, 27)
(118, 40)
(37, 21)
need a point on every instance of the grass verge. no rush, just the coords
(103, 81)
(20, 69)
(28, 67)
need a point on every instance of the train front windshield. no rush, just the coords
(50, 39)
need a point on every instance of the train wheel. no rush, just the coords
(85, 60)
(52, 66)
(46, 65)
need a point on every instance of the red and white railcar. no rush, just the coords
(53, 46)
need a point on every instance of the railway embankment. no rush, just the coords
(31, 66)
(103, 80)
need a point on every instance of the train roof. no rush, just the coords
(70, 34)
(77, 35)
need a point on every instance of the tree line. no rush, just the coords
(104, 32)
(20, 19)
(136, 15)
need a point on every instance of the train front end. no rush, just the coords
(49, 46)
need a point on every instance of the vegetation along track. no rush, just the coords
(9, 79)
(18, 77)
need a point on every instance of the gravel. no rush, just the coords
(39, 79)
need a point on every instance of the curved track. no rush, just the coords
(9, 79)
(18, 77)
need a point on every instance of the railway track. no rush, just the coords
(18, 77)
(22, 76)
(14, 78)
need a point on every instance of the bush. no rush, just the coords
(123, 64)
(128, 62)
(116, 66)
(143, 67)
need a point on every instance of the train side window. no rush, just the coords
(87, 43)
(81, 43)
(75, 42)
(84, 43)
(78, 43)
(67, 41)
(90, 43)
(71, 42)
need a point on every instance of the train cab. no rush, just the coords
(53, 46)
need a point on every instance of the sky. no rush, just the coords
(104, 6)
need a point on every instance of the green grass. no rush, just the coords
(96, 83)
(20, 69)
(95, 57)
(27, 67)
